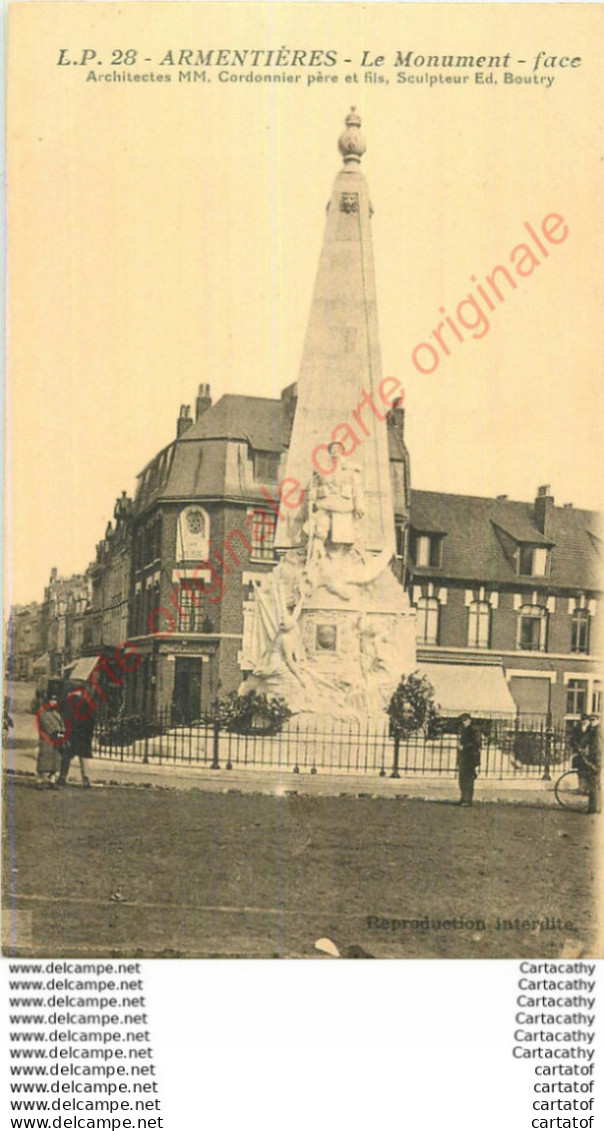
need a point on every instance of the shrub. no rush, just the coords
(123, 729)
(532, 748)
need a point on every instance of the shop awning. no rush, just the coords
(82, 669)
(480, 689)
(42, 664)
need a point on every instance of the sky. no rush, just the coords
(166, 234)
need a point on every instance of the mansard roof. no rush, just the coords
(473, 549)
(479, 535)
(194, 465)
(259, 420)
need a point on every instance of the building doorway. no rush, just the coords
(186, 697)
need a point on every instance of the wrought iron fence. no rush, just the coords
(520, 747)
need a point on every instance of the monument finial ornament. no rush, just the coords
(352, 143)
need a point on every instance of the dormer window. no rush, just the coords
(266, 467)
(532, 561)
(427, 550)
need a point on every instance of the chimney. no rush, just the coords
(184, 420)
(203, 401)
(544, 505)
(289, 400)
(397, 417)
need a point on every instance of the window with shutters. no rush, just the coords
(532, 628)
(427, 620)
(579, 638)
(479, 624)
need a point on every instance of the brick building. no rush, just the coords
(66, 601)
(509, 583)
(24, 640)
(108, 617)
(195, 504)
(506, 592)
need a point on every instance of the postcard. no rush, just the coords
(304, 418)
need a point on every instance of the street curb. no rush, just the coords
(542, 799)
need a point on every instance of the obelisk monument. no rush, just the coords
(333, 629)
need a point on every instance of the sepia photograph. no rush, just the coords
(303, 590)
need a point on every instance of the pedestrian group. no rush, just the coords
(66, 732)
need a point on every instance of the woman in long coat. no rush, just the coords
(52, 743)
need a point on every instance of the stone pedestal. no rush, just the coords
(337, 654)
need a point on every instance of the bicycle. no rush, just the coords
(571, 792)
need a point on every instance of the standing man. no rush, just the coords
(468, 757)
(80, 714)
(336, 501)
(579, 745)
(592, 760)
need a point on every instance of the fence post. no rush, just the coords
(215, 763)
(397, 742)
(548, 749)
(383, 765)
(296, 769)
